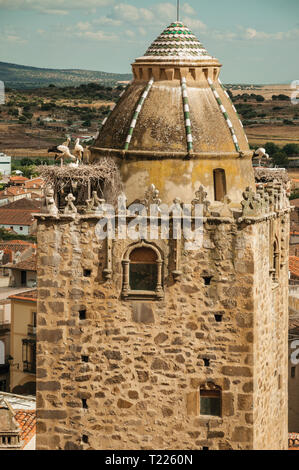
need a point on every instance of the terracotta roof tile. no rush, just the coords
(27, 295)
(294, 265)
(27, 422)
(25, 265)
(25, 204)
(36, 183)
(18, 178)
(12, 191)
(16, 217)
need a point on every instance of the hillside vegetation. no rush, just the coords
(21, 76)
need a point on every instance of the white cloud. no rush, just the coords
(12, 38)
(253, 34)
(52, 6)
(130, 34)
(194, 24)
(188, 9)
(130, 13)
(97, 35)
(83, 26)
(55, 12)
(105, 20)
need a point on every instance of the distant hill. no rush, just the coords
(22, 76)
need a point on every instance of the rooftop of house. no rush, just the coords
(24, 204)
(12, 191)
(35, 183)
(27, 295)
(18, 179)
(16, 217)
(294, 265)
(16, 245)
(28, 264)
(26, 420)
(24, 410)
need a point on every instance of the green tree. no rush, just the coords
(292, 150)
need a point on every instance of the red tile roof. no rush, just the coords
(294, 265)
(12, 191)
(35, 183)
(27, 295)
(25, 265)
(27, 422)
(25, 204)
(17, 178)
(16, 217)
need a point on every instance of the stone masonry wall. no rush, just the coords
(271, 338)
(139, 388)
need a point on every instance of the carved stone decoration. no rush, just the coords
(49, 206)
(251, 204)
(264, 198)
(151, 196)
(70, 208)
(94, 202)
(107, 272)
(201, 199)
(225, 210)
(271, 199)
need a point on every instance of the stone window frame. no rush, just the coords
(209, 391)
(127, 293)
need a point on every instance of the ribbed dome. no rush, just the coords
(177, 41)
(175, 125)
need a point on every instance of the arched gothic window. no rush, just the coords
(142, 271)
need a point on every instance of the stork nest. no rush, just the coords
(103, 177)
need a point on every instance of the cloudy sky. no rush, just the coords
(256, 40)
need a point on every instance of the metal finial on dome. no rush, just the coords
(178, 10)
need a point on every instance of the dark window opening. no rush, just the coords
(293, 372)
(85, 439)
(29, 355)
(84, 403)
(87, 272)
(207, 280)
(219, 184)
(206, 362)
(143, 272)
(85, 358)
(82, 314)
(210, 402)
(23, 278)
(218, 318)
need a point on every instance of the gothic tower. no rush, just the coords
(148, 344)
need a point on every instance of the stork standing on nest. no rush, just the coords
(62, 151)
(78, 150)
(261, 153)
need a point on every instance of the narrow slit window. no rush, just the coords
(219, 184)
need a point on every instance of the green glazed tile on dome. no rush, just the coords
(177, 41)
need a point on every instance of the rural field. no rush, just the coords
(32, 120)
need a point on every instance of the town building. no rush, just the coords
(23, 342)
(4, 344)
(5, 164)
(154, 342)
(17, 422)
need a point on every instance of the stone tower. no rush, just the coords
(146, 344)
